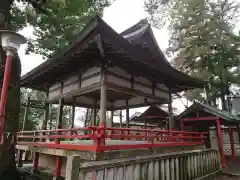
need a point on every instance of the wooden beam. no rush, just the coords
(127, 114)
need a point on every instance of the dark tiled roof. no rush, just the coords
(84, 50)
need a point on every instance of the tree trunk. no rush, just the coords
(11, 122)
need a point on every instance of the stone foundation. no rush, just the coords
(47, 157)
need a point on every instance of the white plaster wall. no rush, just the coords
(91, 71)
(162, 86)
(161, 94)
(90, 81)
(70, 84)
(54, 91)
(143, 89)
(119, 71)
(143, 80)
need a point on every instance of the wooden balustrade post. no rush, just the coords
(230, 132)
(97, 139)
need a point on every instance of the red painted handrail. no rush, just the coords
(145, 138)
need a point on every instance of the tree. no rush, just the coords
(34, 116)
(60, 23)
(57, 18)
(158, 11)
(203, 44)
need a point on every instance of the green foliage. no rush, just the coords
(203, 44)
(35, 116)
(57, 23)
(158, 11)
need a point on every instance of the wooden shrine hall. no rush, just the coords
(154, 115)
(109, 71)
(106, 71)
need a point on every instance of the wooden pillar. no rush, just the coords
(60, 113)
(120, 118)
(57, 141)
(171, 120)
(50, 116)
(95, 114)
(121, 122)
(73, 114)
(111, 121)
(127, 118)
(112, 115)
(103, 102)
(26, 113)
(238, 132)
(230, 133)
(46, 112)
(220, 143)
(127, 115)
(35, 162)
(145, 127)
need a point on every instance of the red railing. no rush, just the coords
(98, 138)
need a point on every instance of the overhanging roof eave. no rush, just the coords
(58, 55)
(109, 34)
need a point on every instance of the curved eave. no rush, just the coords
(141, 32)
(58, 57)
